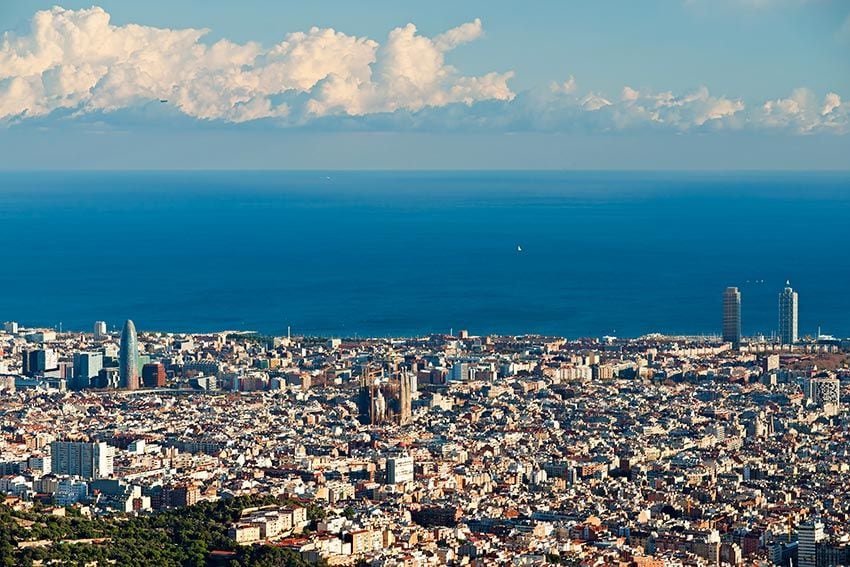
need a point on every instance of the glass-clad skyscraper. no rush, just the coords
(128, 358)
(788, 315)
(732, 317)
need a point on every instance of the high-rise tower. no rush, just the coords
(88, 460)
(732, 317)
(99, 330)
(87, 365)
(788, 315)
(128, 358)
(809, 534)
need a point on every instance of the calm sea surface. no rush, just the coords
(392, 253)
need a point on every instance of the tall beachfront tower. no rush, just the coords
(732, 317)
(788, 315)
(128, 358)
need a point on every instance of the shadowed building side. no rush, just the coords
(128, 361)
(732, 317)
(153, 375)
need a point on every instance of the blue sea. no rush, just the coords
(410, 253)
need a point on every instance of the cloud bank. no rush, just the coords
(78, 60)
(74, 64)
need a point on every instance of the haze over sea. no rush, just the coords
(408, 253)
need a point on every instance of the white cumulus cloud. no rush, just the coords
(635, 108)
(76, 59)
(804, 113)
(71, 63)
(830, 103)
(696, 108)
(567, 87)
(464, 33)
(629, 94)
(593, 102)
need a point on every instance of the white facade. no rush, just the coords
(86, 460)
(70, 492)
(99, 330)
(399, 470)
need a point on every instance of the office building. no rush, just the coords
(11, 327)
(40, 362)
(100, 330)
(87, 365)
(788, 315)
(153, 375)
(107, 378)
(128, 358)
(732, 317)
(28, 362)
(461, 372)
(809, 535)
(86, 460)
(399, 469)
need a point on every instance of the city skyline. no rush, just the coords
(730, 329)
(788, 316)
(673, 450)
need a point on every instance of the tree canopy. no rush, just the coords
(179, 537)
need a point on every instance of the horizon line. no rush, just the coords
(422, 170)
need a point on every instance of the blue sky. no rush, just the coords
(691, 84)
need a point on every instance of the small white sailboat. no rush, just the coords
(519, 248)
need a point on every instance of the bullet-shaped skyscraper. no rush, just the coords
(732, 317)
(788, 315)
(128, 358)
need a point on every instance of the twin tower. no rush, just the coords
(787, 316)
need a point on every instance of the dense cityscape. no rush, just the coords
(424, 284)
(449, 449)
